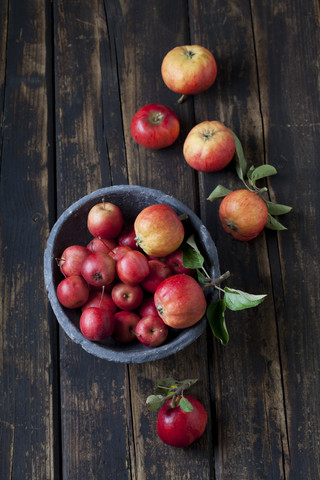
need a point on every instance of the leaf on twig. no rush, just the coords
(216, 319)
(238, 300)
(240, 161)
(219, 192)
(273, 224)
(277, 208)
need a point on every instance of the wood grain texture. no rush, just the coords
(28, 412)
(95, 424)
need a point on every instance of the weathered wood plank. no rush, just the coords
(140, 84)
(290, 105)
(251, 433)
(28, 409)
(95, 418)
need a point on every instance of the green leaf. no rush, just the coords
(216, 319)
(240, 161)
(185, 405)
(191, 258)
(155, 402)
(238, 300)
(219, 192)
(201, 277)
(191, 241)
(262, 172)
(250, 171)
(273, 224)
(277, 208)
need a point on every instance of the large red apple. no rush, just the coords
(209, 146)
(243, 214)
(180, 301)
(155, 126)
(189, 69)
(105, 220)
(178, 428)
(159, 230)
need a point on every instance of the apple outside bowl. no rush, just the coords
(71, 229)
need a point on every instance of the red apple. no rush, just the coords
(100, 299)
(96, 323)
(98, 269)
(175, 262)
(132, 268)
(155, 126)
(119, 251)
(125, 324)
(243, 214)
(73, 291)
(209, 146)
(98, 244)
(180, 301)
(189, 69)
(105, 220)
(127, 237)
(158, 271)
(151, 331)
(71, 260)
(178, 428)
(147, 307)
(127, 297)
(159, 230)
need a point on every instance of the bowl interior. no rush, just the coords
(71, 229)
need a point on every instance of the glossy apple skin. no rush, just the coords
(127, 297)
(132, 268)
(96, 323)
(100, 299)
(189, 69)
(158, 271)
(105, 220)
(98, 269)
(159, 230)
(155, 126)
(147, 307)
(119, 251)
(180, 301)
(209, 146)
(127, 237)
(73, 291)
(151, 331)
(178, 428)
(71, 260)
(175, 262)
(101, 245)
(125, 324)
(243, 214)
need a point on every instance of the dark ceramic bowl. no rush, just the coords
(71, 228)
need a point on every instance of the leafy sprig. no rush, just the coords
(169, 388)
(249, 177)
(228, 297)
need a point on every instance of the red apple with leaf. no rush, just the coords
(155, 126)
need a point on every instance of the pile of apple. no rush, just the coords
(129, 281)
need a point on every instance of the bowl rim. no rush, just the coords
(146, 354)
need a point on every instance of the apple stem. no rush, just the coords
(102, 292)
(182, 98)
(215, 282)
(110, 249)
(183, 216)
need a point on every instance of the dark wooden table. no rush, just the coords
(72, 75)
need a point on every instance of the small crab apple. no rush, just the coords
(155, 126)
(105, 220)
(178, 428)
(73, 291)
(133, 267)
(125, 324)
(147, 307)
(98, 269)
(159, 230)
(96, 323)
(119, 251)
(127, 237)
(101, 299)
(151, 331)
(99, 244)
(243, 214)
(71, 260)
(209, 146)
(175, 262)
(180, 301)
(158, 271)
(127, 297)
